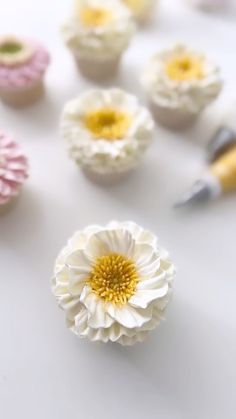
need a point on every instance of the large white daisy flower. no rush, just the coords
(106, 131)
(183, 79)
(113, 282)
(100, 29)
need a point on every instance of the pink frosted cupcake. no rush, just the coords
(13, 171)
(23, 64)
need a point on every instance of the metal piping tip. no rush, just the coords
(222, 141)
(199, 193)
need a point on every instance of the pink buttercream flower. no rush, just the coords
(22, 62)
(13, 168)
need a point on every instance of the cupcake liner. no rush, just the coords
(98, 70)
(9, 205)
(147, 16)
(173, 118)
(23, 96)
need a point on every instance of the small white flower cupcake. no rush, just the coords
(106, 132)
(180, 83)
(141, 9)
(97, 34)
(113, 283)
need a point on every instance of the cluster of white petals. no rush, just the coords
(104, 41)
(88, 315)
(101, 155)
(191, 95)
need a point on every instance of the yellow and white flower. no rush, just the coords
(113, 282)
(106, 131)
(183, 79)
(99, 29)
(140, 8)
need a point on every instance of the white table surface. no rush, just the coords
(186, 369)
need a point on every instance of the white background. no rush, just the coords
(186, 369)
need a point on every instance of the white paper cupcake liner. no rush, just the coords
(20, 97)
(4, 208)
(98, 70)
(172, 118)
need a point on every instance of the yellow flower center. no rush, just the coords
(108, 123)
(95, 17)
(114, 278)
(185, 68)
(136, 6)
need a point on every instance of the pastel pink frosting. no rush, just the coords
(27, 73)
(13, 168)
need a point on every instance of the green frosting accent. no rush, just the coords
(10, 48)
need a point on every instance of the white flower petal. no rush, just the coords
(100, 318)
(129, 316)
(59, 282)
(76, 282)
(142, 254)
(70, 305)
(140, 235)
(143, 298)
(78, 241)
(150, 269)
(110, 241)
(129, 341)
(81, 322)
(79, 262)
(152, 283)
(96, 307)
(90, 230)
(147, 237)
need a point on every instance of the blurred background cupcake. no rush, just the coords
(98, 33)
(106, 132)
(141, 9)
(180, 83)
(13, 171)
(209, 5)
(23, 64)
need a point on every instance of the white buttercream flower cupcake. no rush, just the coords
(141, 9)
(106, 132)
(180, 83)
(97, 34)
(113, 283)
